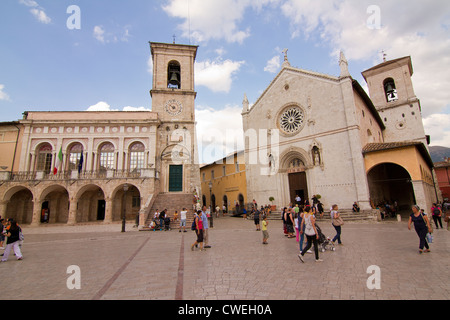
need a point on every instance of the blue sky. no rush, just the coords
(106, 65)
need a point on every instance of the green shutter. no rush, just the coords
(175, 178)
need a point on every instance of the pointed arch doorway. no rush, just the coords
(298, 183)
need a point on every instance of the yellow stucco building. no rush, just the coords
(224, 183)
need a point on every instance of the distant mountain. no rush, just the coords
(439, 153)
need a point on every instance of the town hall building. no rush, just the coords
(75, 167)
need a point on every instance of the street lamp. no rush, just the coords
(125, 189)
(211, 211)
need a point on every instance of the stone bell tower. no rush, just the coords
(392, 92)
(173, 98)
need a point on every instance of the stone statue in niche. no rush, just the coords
(316, 156)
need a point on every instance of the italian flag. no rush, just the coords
(58, 161)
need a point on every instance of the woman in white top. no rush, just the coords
(311, 234)
(335, 215)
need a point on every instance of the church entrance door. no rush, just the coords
(298, 186)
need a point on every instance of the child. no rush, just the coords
(264, 229)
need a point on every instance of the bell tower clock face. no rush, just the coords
(173, 107)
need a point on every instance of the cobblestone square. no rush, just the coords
(161, 266)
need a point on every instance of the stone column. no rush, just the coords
(72, 220)
(36, 218)
(3, 207)
(108, 210)
(420, 194)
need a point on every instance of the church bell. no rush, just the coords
(389, 87)
(174, 79)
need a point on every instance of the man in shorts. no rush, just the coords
(183, 214)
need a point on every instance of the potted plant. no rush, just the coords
(272, 207)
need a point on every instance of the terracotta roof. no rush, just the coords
(441, 164)
(373, 147)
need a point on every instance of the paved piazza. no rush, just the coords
(160, 265)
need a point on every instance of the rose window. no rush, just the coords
(291, 120)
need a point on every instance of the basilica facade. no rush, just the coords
(316, 134)
(76, 167)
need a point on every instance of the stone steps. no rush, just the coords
(172, 202)
(346, 216)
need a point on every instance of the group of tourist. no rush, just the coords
(301, 220)
(11, 235)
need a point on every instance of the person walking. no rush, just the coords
(12, 241)
(436, 212)
(337, 222)
(289, 222)
(204, 218)
(256, 218)
(199, 231)
(2, 236)
(422, 227)
(183, 214)
(301, 226)
(265, 232)
(311, 235)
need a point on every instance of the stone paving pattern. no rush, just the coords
(154, 265)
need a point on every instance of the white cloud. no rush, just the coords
(150, 65)
(437, 126)
(29, 3)
(273, 65)
(131, 109)
(101, 106)
(102, 36)
(37, 11)
(216, 75)
(216, 140)
(41, 15)
(213, 19)
(99, 33)
(3, 95)
(104, 106)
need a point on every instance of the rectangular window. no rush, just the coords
(44, 162)
(106, 160)
(136, 160)
(74, 159)
(224, 171)
(136, 202)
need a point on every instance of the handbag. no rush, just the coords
(431, 227)
(338, 221)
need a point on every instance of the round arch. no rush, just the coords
(54, 204)
(19, 204)
(126, 199)
(390, 183)
(91, 203)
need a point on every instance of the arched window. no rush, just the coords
(106, 156)
(137, 156)
(174, 75)
(390, 90)
(75, 152)
(44, 158)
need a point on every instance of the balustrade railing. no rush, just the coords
(75, 175)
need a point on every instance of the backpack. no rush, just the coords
(194, 226)
(436, 211)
